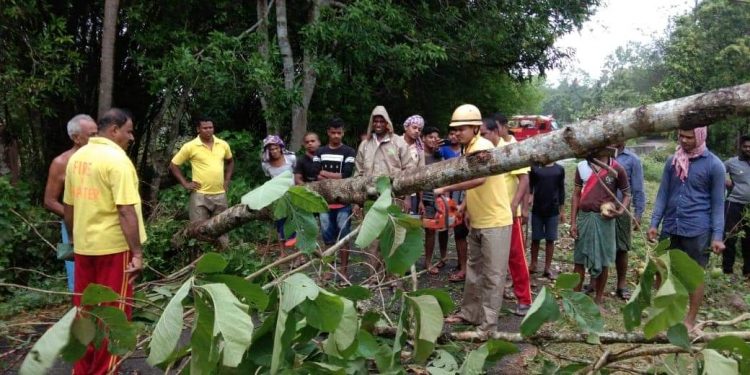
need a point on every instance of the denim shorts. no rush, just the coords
(544, 228)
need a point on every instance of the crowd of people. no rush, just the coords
(93, 187)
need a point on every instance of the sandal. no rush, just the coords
(623, 293)
(457, 277)
(455, 319)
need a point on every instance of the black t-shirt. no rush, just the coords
(548, 186)
(335, 160)
(306, 167)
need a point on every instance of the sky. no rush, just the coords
(614, 24)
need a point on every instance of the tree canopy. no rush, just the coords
(232, 61)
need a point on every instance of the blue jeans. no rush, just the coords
(70, 266)
(335, 224)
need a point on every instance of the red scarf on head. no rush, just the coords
(681, 160)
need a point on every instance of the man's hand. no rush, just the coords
(421, 208)
(134, 267)
(651, 234)
(574, 231)
(717, 246)
(562, 217)
(438, 191)
(192, 186)
(226, 185)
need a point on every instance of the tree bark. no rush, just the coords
(578, 139)
(106, 74)
(272, 126)
(287, 58)
(309, 79)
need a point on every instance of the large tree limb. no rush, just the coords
(574, 140)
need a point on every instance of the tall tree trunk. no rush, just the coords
(272, 124)
(578, 139)
(106, 74)
(287, 64)
(309, 79)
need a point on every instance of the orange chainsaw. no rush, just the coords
(443, 216)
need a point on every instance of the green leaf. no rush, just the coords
(346, 333)
(669, 307)
(232, 321)
(45, 351)
(95, 294)
(405, 220)
(407, 254)
(428, 324)
(211, 263)
(367, 345)
(248, 293)
(267, 193)
(641, 298)
(306, 228)
(685, 269)
(281, 209)
(443, 364)
(354, 293)
(474, 362)
(715, 363)
(382, 184)
(662, 247)
(443, 297)
(583, 310)
(736, 346)
(122, 333)
(84, 329)
(305, 199)
(678, 336)
(204, 345)
(169, 327)
(374, 221)
(295, 289)
(544, 309)
(323, 313)
(567, 280)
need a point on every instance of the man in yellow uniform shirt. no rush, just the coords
(489, 220)
(103, 213)
(212, 166)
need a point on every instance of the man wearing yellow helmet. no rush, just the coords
(489, 220)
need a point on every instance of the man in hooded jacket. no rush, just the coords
(382, 153)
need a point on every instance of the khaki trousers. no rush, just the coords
(204, 206)
(486, 268)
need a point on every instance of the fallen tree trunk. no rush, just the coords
(576, 140)
(556, 337)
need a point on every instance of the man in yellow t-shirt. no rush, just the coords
(212, 165)
(102, 211)
(516, 182)
(489, 220)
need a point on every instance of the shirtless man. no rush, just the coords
(80, 128)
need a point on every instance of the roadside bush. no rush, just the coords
(653, 163)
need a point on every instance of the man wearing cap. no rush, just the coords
(212, 166)
(489, 220)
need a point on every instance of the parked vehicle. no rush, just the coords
(525, 126)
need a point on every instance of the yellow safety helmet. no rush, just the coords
(466, 114)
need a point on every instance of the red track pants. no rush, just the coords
(519, 270)
(108, 270)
